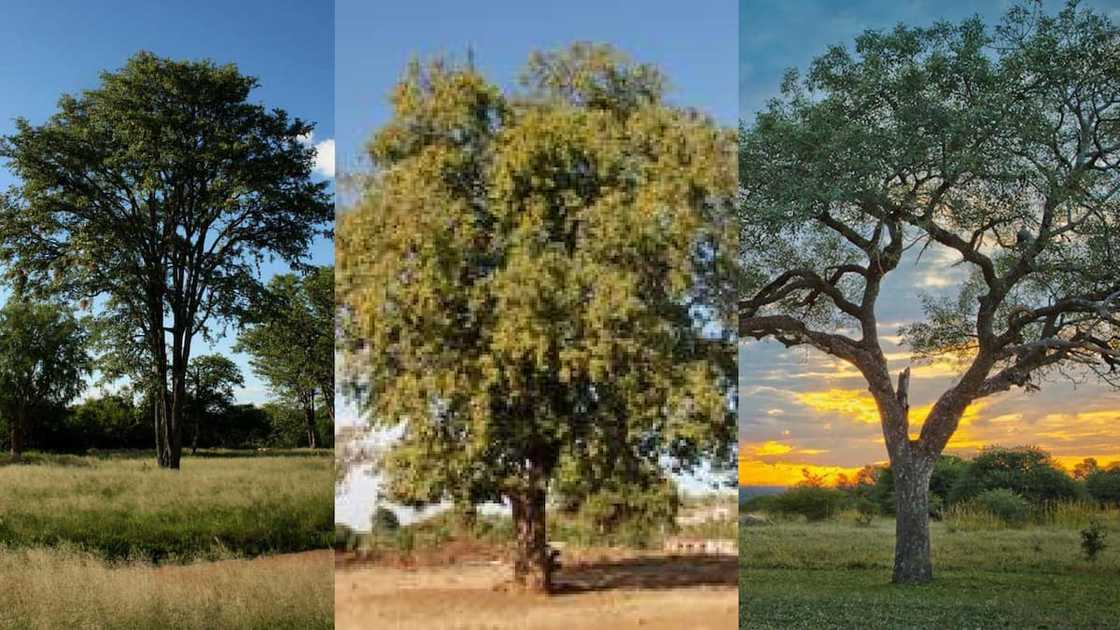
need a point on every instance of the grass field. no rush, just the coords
(122, 506)
(111, 541)
(836, 574)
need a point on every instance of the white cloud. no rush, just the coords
(324, 154)
(324, 158)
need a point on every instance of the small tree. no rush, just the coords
(210, 382)
(1002, 149)
(161, 190)
(291, 346)
(42, 362)
(522, 284)
(384, 521)
(1085, 468)
(1104, 485)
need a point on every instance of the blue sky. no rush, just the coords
(693, 43)
(56, 47)
(799, 408)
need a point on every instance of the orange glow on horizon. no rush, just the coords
(755, 472)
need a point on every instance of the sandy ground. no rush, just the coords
(662, 593)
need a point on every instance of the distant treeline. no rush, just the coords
(118, 422)
(1003, 480)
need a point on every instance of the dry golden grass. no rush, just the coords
(600, 590)
(61, 588)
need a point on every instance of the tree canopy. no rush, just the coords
(291, 345)
(42, 363)
(160, 190)
(522, 284)
(211, 379)
(1000, 146)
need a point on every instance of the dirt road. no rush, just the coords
(645, 592)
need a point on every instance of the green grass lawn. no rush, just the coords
(121, 506)
(836, 574)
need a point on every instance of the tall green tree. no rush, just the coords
(998, 146)
(292, 345)
(161, 190)
(42, 363)
(521, 284)
(211, 379)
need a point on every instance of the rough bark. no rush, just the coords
(912, 562)
(532, 565)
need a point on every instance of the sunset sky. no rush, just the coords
(800, 408)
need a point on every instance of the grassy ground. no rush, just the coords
(122, 506)
(836, 574)
(111, 541)
(59, 588)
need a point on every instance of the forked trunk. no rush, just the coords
(532, 564)
(912, 562)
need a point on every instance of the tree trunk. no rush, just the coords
(18, 429)
(180, 359)
(912, 563)
(532, 565)
(309, 420)
(194, 438)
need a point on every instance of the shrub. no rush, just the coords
(405, 540)
(1006, 505)
(1026, 471)
(343, 537)
(815, 504)
(384, 520)
(866, 511)
(1104, 486)
(1092, 540)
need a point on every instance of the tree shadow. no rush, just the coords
(658, 573)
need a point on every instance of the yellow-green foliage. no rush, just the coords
(518, 272)
(123, 506)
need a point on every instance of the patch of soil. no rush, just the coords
(620, 590)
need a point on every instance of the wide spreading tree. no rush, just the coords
(522, 283)
(161, 191)
(42, 363)
(291, 343)
(1000, 146)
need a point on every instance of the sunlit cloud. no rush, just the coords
(774, 447)
(858, 405)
